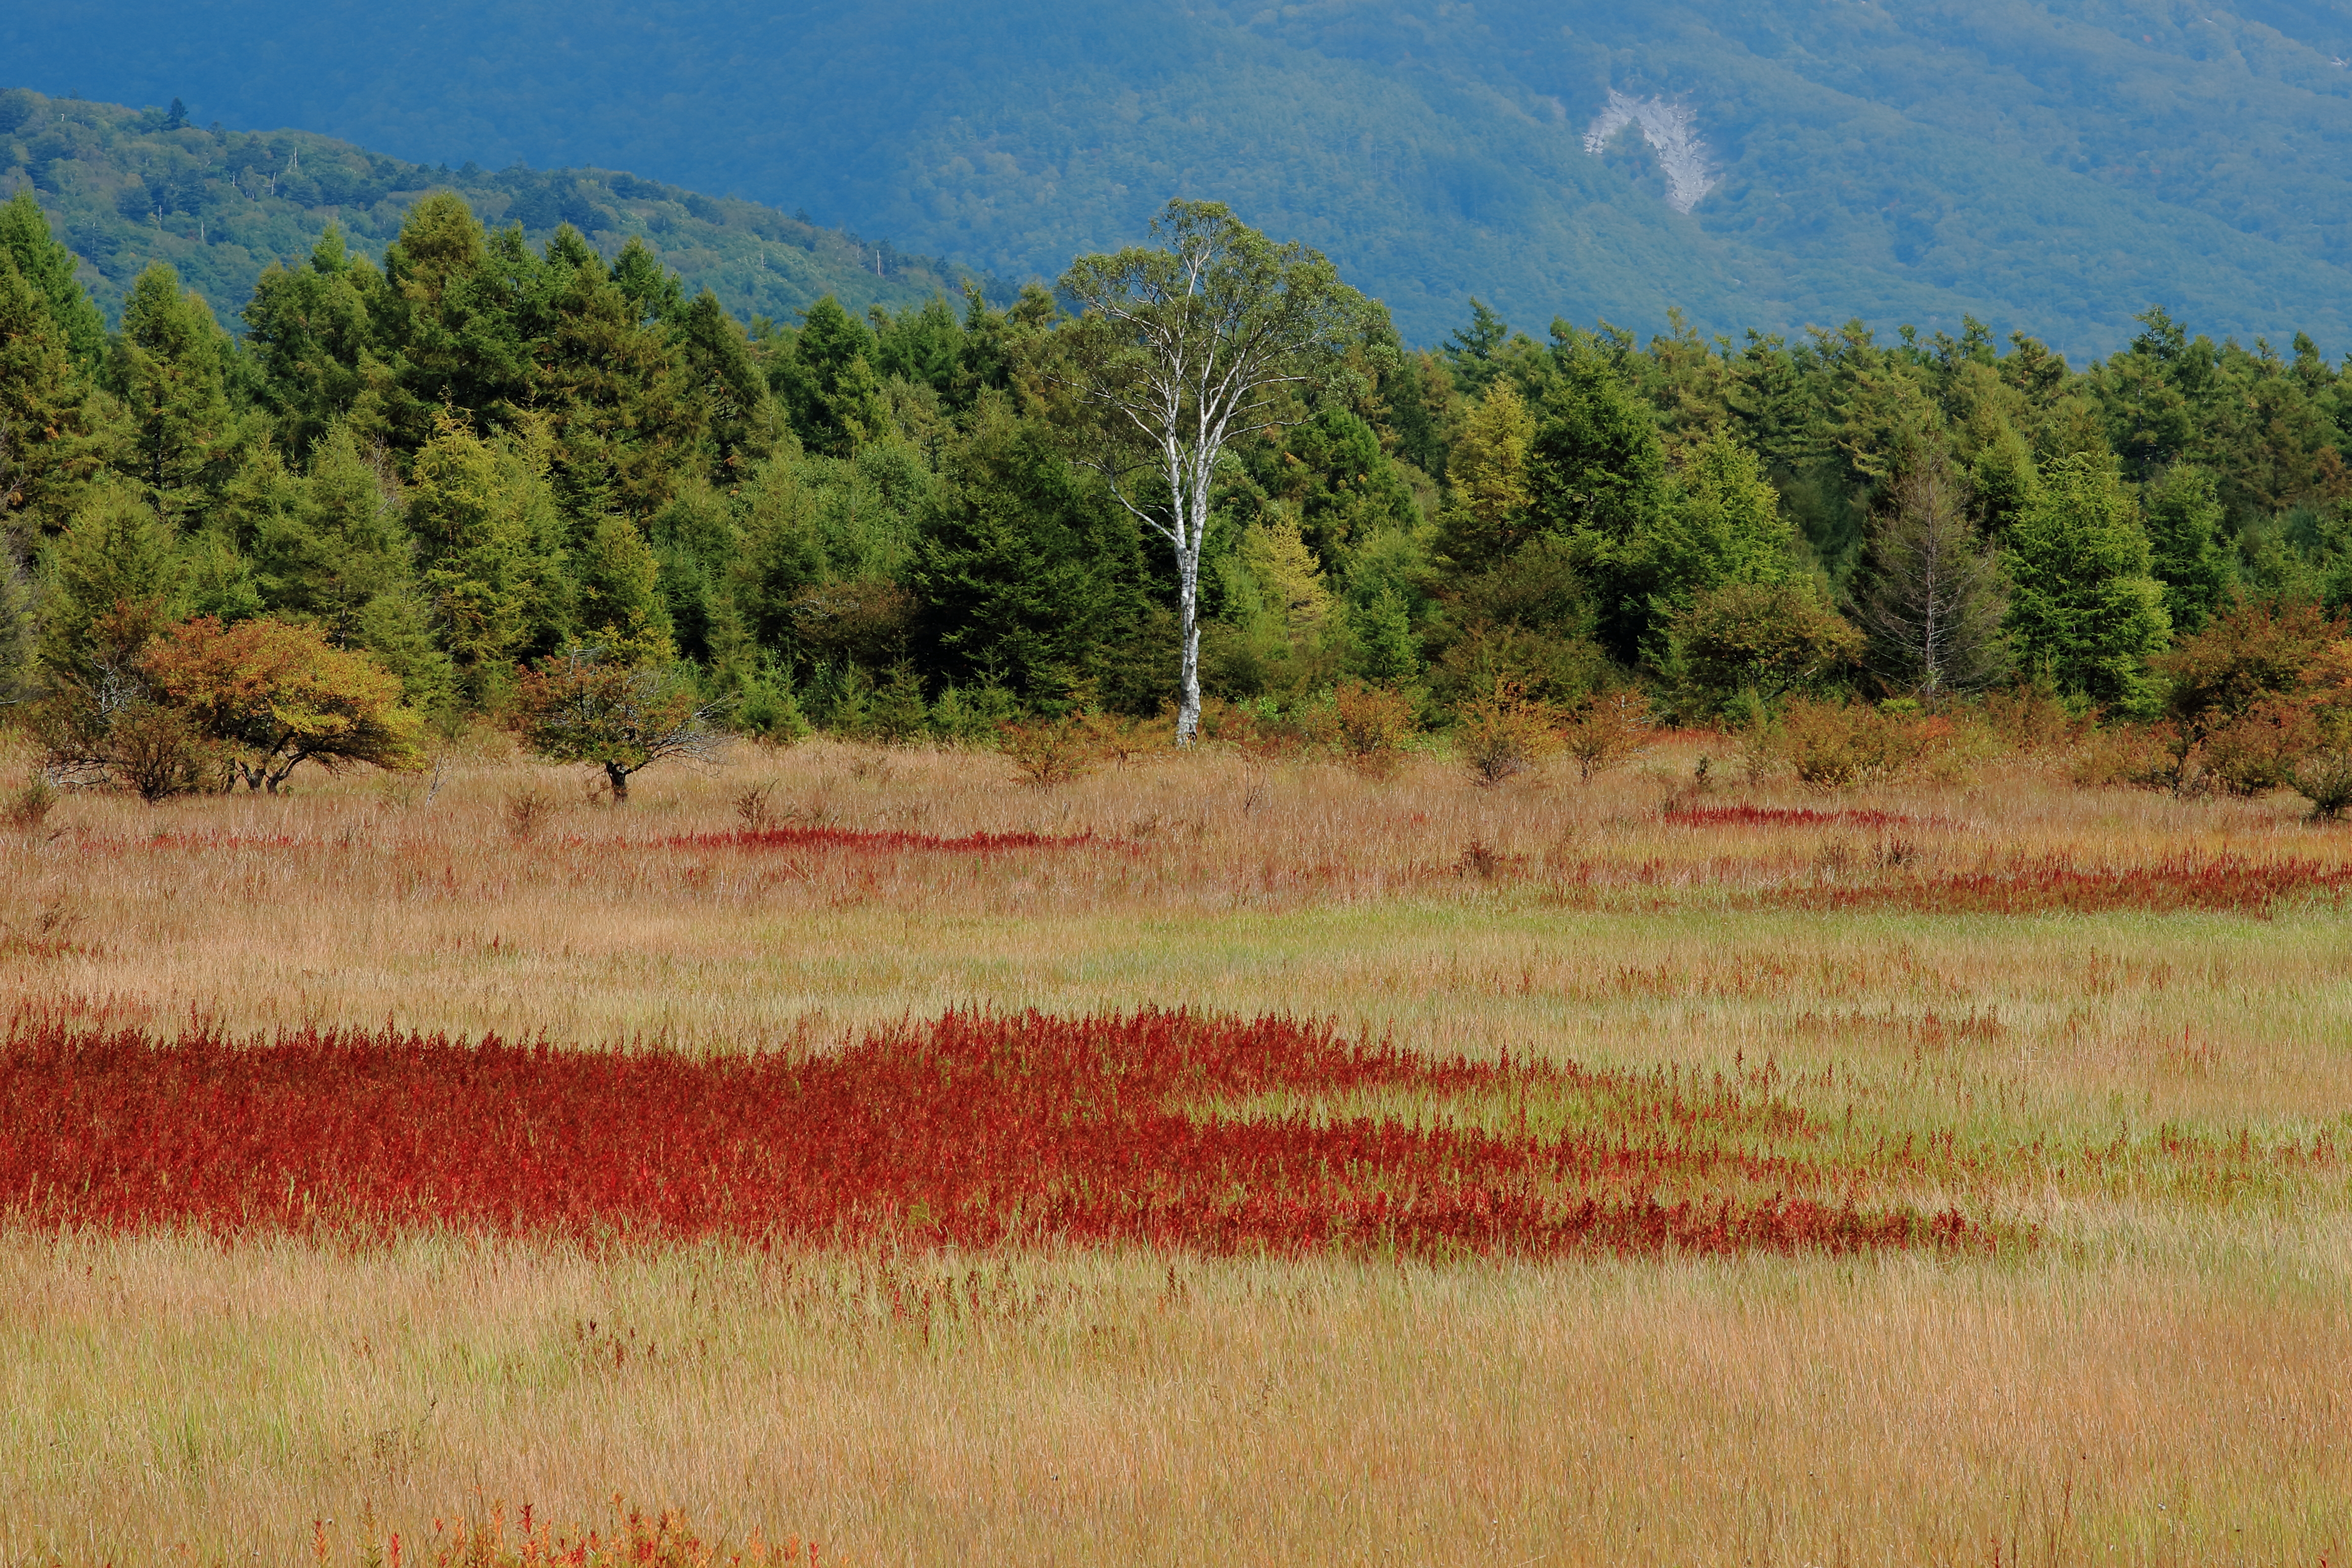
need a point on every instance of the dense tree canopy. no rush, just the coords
(459, 465)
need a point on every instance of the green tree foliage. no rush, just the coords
(621, 608)
(48, 267)
(311, 329)
(116, 554)
(1760, 640)
(2184, 530)
(490, 538)
(2086, 610)
(499, 444)
(51, 444)
(185, 440)
(826, 381)
(1028, 576)
(1494, 496)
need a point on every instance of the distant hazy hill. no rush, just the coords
(2051, 164)
(125, 187)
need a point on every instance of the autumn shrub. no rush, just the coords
(1846, 746)
(1050, 752)
(1370, 725)
(1259, 729)
(2249, 696)
(28, 805)
(1121, 739)
(1505, 734)
(1607, 732)
(269, 695)
(2140, 756)
(2031, 717)
(528, 811)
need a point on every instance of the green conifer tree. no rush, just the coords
(2086, 607)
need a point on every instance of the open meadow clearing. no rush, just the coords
(1214, 1159)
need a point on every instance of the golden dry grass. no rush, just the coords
(2157, 1380)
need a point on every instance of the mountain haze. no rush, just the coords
(2055, 167)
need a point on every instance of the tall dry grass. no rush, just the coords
(2157, 1380)
(165, 1397)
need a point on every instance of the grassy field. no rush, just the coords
(2110, 1031)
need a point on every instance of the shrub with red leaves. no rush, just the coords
(973, 1131)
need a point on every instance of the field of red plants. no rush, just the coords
(971, 1132)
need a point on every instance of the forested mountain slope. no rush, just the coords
(125, 187)
(2054, 165)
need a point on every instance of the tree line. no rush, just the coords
(418, 494)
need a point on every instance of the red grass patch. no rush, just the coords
(1784, 816)
(2055, 885)
(886, 841)
(972, 1132)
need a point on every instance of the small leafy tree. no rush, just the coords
(271, 695)
(2247, 696)
(579, 706)
(107, 728)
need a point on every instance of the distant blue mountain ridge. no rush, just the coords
(2052, 166)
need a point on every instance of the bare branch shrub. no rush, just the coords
(755, 807)
(29, 805)
(529, 809)
(2325, 779)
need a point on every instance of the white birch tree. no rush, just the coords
(1181, 349)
